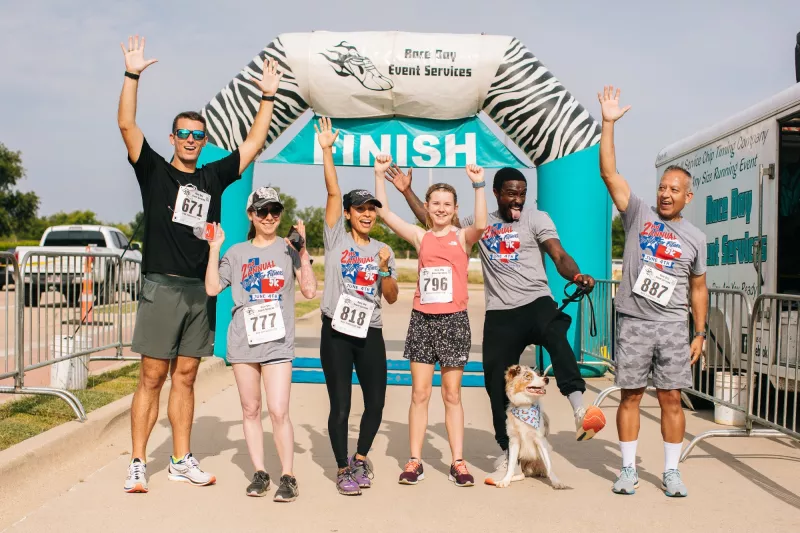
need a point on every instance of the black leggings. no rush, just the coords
(506, 333)
(338, 353)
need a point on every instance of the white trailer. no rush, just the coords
(746, 182)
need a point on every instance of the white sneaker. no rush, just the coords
(500, 469)
(188, 470)
(137, 477)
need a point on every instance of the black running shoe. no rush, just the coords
(259, 485)
(287, 491)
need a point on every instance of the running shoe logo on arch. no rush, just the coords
(267, 280)
(659, 247)
(359, 274)
(502, 241)
(346, 61)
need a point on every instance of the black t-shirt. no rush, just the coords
(169, 247)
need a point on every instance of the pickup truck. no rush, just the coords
(44, 269)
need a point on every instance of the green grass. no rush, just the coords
(404, 275)
(5, 245)
(30, 416)
(303, 306)
(408, 275)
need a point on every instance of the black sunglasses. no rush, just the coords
(274, 210)
(183, 133)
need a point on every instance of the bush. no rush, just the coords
(7, 245)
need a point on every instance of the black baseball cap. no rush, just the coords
(359, 197)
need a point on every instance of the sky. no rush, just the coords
(682, 65)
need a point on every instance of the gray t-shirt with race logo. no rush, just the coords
(256, 275)
(512, 260)
(352, 269)
(675, 247)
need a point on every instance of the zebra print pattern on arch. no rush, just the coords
(525, 100)
(232, 111)
(532, 107)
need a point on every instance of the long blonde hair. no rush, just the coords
(441, 187)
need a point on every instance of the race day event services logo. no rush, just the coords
(266, 279)
(659, 247)
(502, 241)
(359, 273)
(347, 61)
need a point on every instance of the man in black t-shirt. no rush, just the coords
(173, 329)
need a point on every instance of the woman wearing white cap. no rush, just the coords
(261, 273)
(358, 271)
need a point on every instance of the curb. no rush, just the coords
(57, 444)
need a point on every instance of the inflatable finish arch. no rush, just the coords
(438, 76)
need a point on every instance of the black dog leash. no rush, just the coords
(575, 296)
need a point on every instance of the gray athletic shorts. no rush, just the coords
(661, 347)
(173, 318)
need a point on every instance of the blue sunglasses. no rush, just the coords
(198, 135)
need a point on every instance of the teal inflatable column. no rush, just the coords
(235, 224)
(571, 191)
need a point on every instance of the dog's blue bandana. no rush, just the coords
(531, 416)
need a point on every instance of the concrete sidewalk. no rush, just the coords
(734, 484)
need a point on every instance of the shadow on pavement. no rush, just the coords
(602, 459)
(212, 425)
(747, 472)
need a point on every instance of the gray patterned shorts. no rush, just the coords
(661, 347)
(443, 339)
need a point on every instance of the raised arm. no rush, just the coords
(326, 136)
(135, 63)
(213, 284)
(472, 234)
(257, 137)
(617, 186)
(402, 183)
(408, 232)
(305, 274)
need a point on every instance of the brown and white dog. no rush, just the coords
(527, 426)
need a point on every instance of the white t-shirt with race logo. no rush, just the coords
(675, 248)
(257, 275)
(512, 261)
(352, 269)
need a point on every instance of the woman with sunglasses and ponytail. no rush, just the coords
(439, 330)
(261, 273)
(358, 271)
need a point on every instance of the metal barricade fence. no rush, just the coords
(774, 363)
(771, 372)
(71, 307)
(599, 350)
(9, 371)
(129, 290)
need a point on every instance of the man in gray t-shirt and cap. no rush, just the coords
(520, 310)
(663, 269)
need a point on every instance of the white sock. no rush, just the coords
(628, 450)
(575, 400)
(672, 453)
